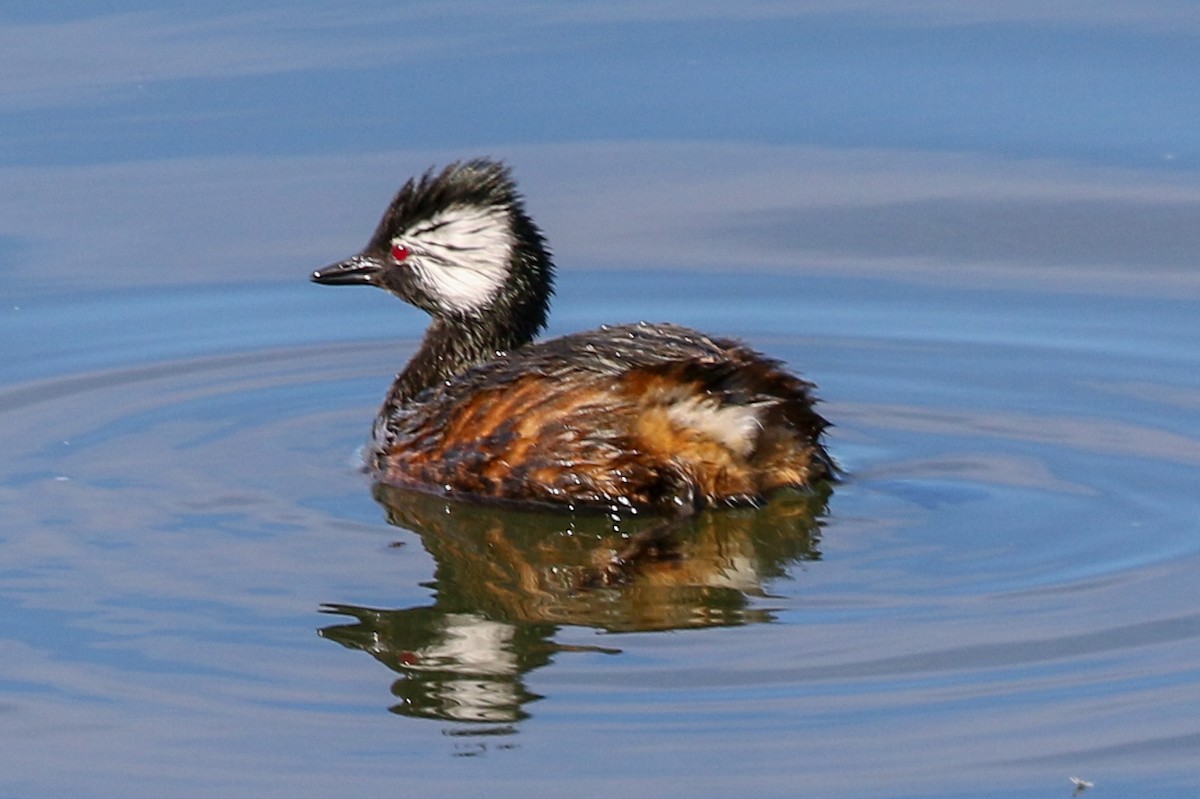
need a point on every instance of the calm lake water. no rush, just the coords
(206, 597)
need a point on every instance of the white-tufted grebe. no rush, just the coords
(652, 416)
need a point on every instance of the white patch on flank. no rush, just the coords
(735, 426)
(462, 255)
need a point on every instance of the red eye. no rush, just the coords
(399, 252)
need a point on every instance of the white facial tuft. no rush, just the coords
(462, 255)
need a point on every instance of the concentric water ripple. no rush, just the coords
(1005, 578)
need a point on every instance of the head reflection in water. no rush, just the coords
(455, 666)
(507, 579)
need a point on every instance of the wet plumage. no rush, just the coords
(646, 415)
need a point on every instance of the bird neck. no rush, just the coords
(450, 347)
(453, 344)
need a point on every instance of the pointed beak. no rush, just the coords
(357, 271)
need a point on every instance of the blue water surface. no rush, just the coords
(975, 228)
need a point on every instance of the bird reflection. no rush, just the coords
(506, 580)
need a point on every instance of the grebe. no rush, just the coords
(650, 416)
